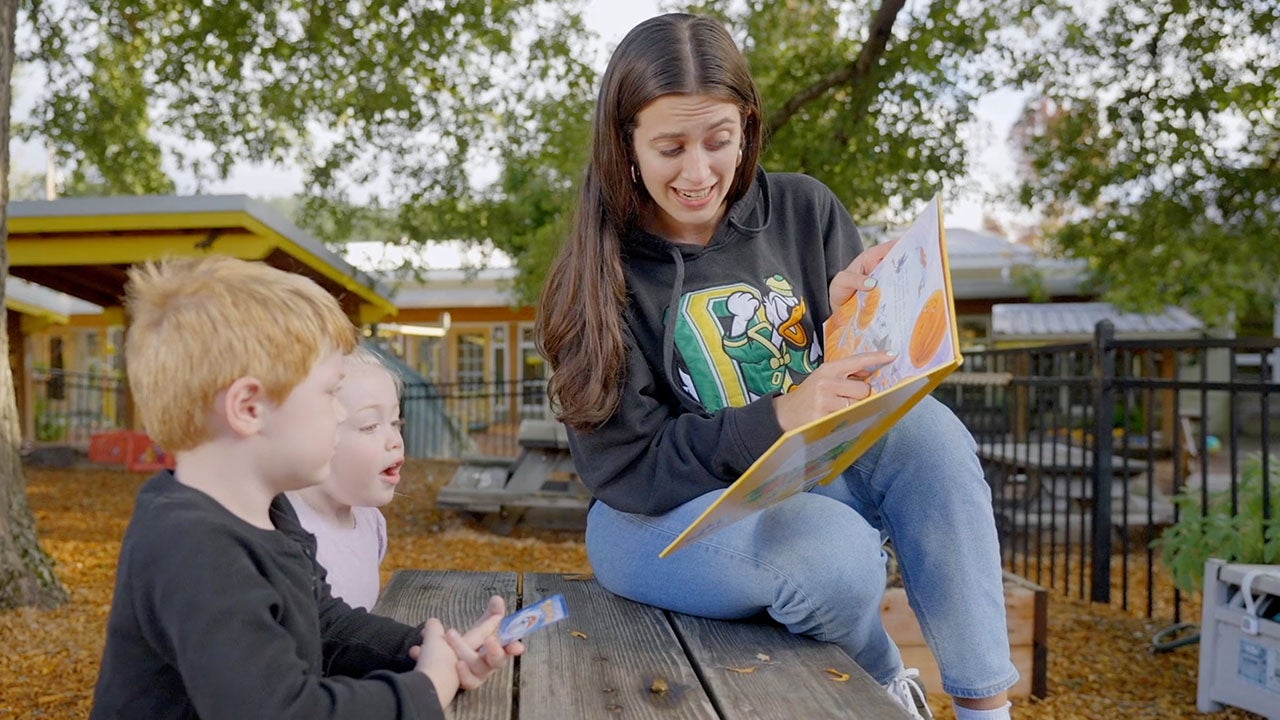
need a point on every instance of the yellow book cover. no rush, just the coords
(911, 310)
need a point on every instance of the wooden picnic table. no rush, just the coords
(1023, 466)
(613, 658)
(1050, 456)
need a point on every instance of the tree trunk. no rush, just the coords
(26, 572)
(859, 74)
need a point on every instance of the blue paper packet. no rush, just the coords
(533, 617)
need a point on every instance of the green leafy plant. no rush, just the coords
(1215, 531)
(51, 425)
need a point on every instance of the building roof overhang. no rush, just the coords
(83, 246)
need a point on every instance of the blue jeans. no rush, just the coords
(816, 561)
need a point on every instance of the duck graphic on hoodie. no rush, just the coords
(740, 342)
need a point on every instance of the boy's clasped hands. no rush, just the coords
(463, 660)
(454, 660)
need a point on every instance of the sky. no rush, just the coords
(611, 20)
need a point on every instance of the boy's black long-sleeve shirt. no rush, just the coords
(215, 618)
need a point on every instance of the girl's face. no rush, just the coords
(366, 466)
(687, 150)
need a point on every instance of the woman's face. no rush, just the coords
(687, 149)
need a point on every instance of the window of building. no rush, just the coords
(470, 356)
(57, 389)
(533, 378)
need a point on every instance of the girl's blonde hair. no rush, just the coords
(362, 355)
(198, 324)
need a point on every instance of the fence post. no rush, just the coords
(1104, 373)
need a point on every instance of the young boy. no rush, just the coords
(342, 512)
(220, 610)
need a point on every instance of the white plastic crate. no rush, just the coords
(1240, 638)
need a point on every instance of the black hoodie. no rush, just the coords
(697, 399)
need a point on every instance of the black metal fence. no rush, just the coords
(69, 407)
(449, 420)
(1094, 449)
(442, 420)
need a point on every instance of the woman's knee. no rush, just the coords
(830, 555)
(930, 424)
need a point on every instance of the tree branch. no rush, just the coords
(857, 72)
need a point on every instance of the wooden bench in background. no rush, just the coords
(539, 487)
(616, 658)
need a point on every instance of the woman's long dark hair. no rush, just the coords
(580, 314)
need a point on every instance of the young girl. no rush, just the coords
(342, 512)
(682, 318)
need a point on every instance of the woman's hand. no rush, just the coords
(855, 277)
(834, 385)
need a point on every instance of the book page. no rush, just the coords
(913, 313)
(907, 311)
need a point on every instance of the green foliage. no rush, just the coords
(1226, 527)
(395, 94)
(1153, 147)
(392, 95)
(886, 142)
(51, 425)
(1032, 282)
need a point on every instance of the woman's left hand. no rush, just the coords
(854, 278)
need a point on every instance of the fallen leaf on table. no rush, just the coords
(742, 670)
(578, 634)
(762, 657)
(658, 686)
(837, 675)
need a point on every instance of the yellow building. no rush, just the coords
(66, 361)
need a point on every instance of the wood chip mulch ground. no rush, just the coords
(1100, 660)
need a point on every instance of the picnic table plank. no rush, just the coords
(761, 670)
(458, 598)
(610, 658)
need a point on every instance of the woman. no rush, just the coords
(681, 318)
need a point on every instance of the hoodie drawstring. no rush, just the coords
(669, 336)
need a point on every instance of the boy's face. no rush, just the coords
(366, 467)
(302, 432)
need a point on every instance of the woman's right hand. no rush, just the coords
(833, 386)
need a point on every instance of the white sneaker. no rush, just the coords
(906, 689)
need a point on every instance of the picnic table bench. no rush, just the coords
(616, 658)
(539, 486)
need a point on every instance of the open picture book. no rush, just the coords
(910, 310)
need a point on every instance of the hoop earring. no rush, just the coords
(634, 178)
